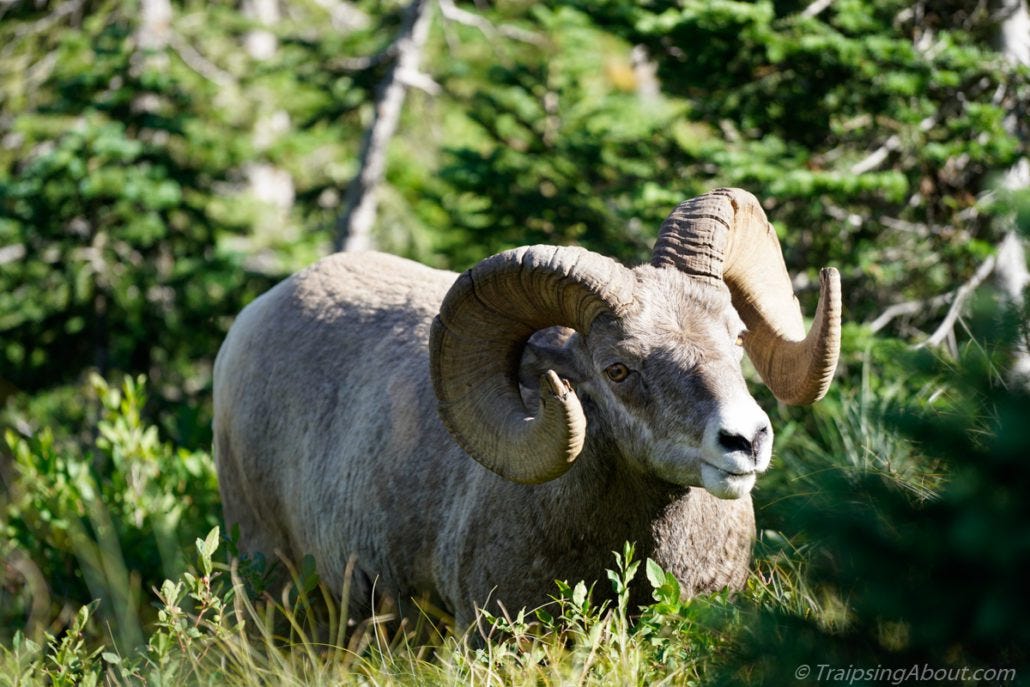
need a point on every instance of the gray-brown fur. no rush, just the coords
(328, 442)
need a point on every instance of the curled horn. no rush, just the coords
(724, 235)
(476, 342)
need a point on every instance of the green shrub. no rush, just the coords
(105, 521)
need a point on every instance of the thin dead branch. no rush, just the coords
(876, 158)
(193, 59)
(357, 64)
(816, 8)
(909, 308)
(354, 227)
(452, 12)
(958, 299)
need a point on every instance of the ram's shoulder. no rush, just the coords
(369, 278)
(340, 300)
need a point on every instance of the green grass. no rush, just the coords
(102, 585)
(210, 630)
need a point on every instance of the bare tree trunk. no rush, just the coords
(268, 183)
(645, 71)
(1012, 279)
(1014, 32)
(155, 26)
(354, 227)
(262, 43)
(1010, 271)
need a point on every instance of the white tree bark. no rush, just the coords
(649, 91)
(262, 43)
(354, 228)
(1010, 271)
(268, 184)
(1014, 44)
(1014, 32)
(155, 26)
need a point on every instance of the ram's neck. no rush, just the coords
(568, 529)
(705, 541)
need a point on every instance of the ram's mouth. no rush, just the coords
(726, 484)
(731, 473)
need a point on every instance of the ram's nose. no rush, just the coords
(740, 438)
(754, 444)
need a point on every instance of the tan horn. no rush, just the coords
(476, 343)
(724, 235)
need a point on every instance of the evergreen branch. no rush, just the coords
(43, 24)
(1007, 264)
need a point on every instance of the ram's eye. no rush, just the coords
(617, 372)
(740, 339)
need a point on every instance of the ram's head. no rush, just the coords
(652, 354)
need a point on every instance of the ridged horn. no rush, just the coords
(724, 235)
(476, 343)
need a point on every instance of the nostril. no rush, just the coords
(734, 442)
(761, 438)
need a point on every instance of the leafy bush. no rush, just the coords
(106, 521)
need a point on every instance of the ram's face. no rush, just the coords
(664, 385)
(655, 360)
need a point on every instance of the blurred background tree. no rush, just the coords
(870, 130)
(162, 163)
(153, 180)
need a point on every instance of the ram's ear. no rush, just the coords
(554, 348)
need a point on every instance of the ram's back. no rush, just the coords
(326, 433)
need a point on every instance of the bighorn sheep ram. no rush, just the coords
(601, 404)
